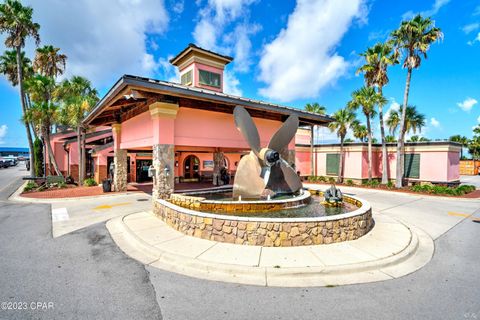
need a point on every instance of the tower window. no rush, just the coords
(186, 78)
(209, 78)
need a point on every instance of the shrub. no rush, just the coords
(331, 180)
(30, 186)
(349, 182)
(38, 157)
(374, 183)
(321, 179)
(463, 189)
(365, 183)
(390, 184)
(90, 182)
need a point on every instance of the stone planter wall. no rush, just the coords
(269, 232)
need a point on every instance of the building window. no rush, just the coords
(412, 166)
(333, 160)
(209, 78)
(186, 78)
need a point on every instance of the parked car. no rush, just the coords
(11, 160)
(4, 163)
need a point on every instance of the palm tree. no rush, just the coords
(344, 119)
(360, 131)
(319, 109)
(16, 22)
(43, 113)
(377, 59)
(414, 121)
(8, 67)
(413, 38)
(49, 62)
(460, 139)
(474, 147)
(367, 99)
(390, 139)
(78, 98)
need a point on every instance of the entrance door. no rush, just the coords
(191, 167)
(142, 170)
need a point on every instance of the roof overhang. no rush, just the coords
(131, 96)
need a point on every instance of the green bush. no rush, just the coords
(445, 190)
(30, 186)
(38, 157)
(321, 179)
(374, 183)
(331, 180)
(90, 182)
(349, 182)
(365, 183)
(390, 184)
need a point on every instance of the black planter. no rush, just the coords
(107, 185)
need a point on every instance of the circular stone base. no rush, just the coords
(268, 232)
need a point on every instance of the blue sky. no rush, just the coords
(290, 52)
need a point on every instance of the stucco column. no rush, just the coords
(119, 160)
(163, 150)
(218, 164)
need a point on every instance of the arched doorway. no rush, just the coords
(191, 167)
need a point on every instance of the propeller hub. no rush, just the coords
(271, 156)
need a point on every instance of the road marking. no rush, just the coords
(60, 214)
(456, 214)
(110, 206)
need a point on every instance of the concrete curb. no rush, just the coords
(415, 255)
(318, 186)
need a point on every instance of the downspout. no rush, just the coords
(68, 158)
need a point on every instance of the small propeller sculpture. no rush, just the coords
(263, 170)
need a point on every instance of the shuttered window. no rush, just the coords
(412, 166)
(333, 160)
(209, 78)
(186, 78)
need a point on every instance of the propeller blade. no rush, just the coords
(291, 177)
(285, 134)
(245, 124)
(248, 182)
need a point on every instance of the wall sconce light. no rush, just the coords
(151, 171)
(166, 170)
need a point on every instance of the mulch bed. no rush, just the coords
(472, 195)
(74, 192)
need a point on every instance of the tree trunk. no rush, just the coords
(340, 162)
(384, 145)
(312, 160)
(79, 143)
(24, 109)
(51, 156)
(84, 158)
(401, 143)
(369, 130)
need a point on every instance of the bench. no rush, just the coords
(206, 176)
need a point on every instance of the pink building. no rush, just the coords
(186, 132)
(434, 161)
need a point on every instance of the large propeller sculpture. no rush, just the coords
(263, 170)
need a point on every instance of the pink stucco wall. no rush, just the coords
(137, 132)
(436, 164)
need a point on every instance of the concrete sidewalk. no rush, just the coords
(389, 251)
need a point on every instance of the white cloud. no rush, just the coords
(467, 104)
(3, 133)
(478, 119)
(301, 60)
(437, 5)
(470, 27)
(178, 6)
(476, 12)
(231, 84)
(472, 42)
(102, 40)
(215, 17)
(434, 122)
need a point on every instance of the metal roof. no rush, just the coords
(193, 92)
